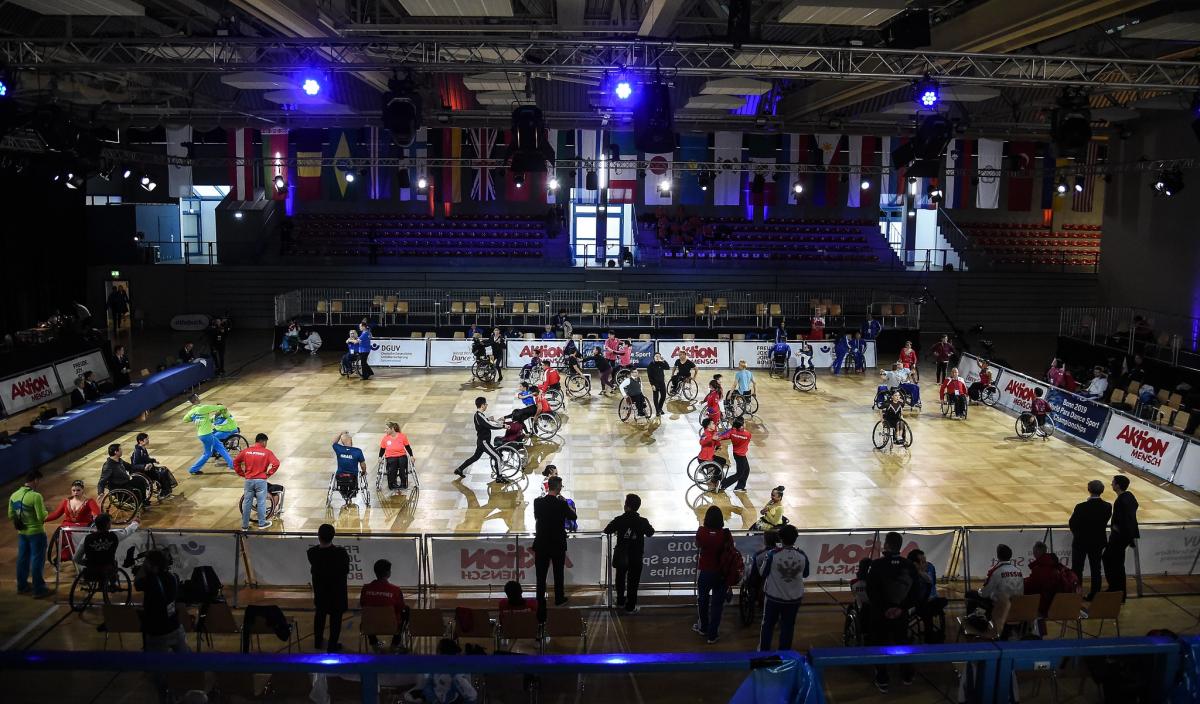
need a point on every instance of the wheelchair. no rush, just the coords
(546, 425)
(114, 587)
(381, 476)
(738, 405)
(621, 375)
(883, 395)
(704, 473)
(750, 596)
(274, 508)
(125, 503)
(578, 385)
(686, 389)
(1027, 427)
(534, 375)
(348, 487)
(234, 444)
(626, 410)
(355, 368)
(882, 435)
(556, 399)
(947, 408)
(778, 368)
(804, 380)
(484, 370)
(988, 395)
(513, 458)
(721, 425)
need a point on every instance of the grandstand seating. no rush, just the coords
(417, 235)
(1029, 243)
(830, 240)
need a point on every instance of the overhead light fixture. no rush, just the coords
(1071, 123)
(926, 93)
(74, 181)
(126, 173)
(912, 186)
(797, 188)
(664, 187)
(865, 185)
(1169, 182)
(145, 180)
(311, 86)
(704, 178)
(518, 178)
(552, 184)
(1061, 187)
(422, 183)
(280, 183)
(148, 183)
(350, 177)
(936, 194)
(623, 90)
(402, 111)
(1080, 183)
(237, 215)
(922, 155)
(591, 181)
(912, 213)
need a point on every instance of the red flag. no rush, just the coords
(241, 164)
(1020, 188)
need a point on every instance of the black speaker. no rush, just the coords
(908, 31)
(653, 120)
(1071, 131)
(757, 184)
(933, 135)
(738, 27)
(590, 181)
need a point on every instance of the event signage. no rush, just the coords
(490, 561)
(91, 362)
(1167, 550)
(29, 389)
(1078, 416)
(397, 352)
(982, 543)
(1188, 474)
(450, 353)
(192, 322)
(283, 561)
(191, 550)
(1017, 392)
(520, 352)
(707, 354)
(968, 369)
(1142, 445)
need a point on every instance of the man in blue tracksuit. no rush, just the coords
(871, 328)
(858, 351)
(841, 348)
(781, 351)
(364, 349)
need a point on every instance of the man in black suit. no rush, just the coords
(1122, 533)
(550, 514)
(1088, 538)
(79, 393)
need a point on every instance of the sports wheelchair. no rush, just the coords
(883, 435)
(778, 368)
(626, 410)
(355, 368)
(125, 503)
(687, 389)
(513, 458)
(804, 380)
(275, 493)
(947, 407)
(884, 393)
(233, 445)
(737, 404)
(1027, 427)
(381, 476)
(348, 487)
(113, 586)
(928, 628)
(704, 473)
(578, 385)
(722, 425)
(484, 369)
(556, 399)
(987, 395)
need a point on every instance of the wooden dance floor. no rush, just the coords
(817, 445)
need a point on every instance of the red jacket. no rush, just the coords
(952, 386)
(985, 376)
(908, 358)
(1044, 579)
(710, 542)
(382, 593)
(739, 439)
(552, 379)
(255, 462)
(709, 442)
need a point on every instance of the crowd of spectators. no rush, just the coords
(679, 231)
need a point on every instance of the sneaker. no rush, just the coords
(246, 527)
(197, 473)
(501, 480)
(634, 610)
(696, 627)
(264, 526)
(710, 641)
(881, 686)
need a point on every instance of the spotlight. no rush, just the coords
(422, 183)
(74, 181)
(923, 153)
(912, 186)
(926, 92)
(237, 215)
(936, 194)
(664, 187)
(280, 183)
(797, 188)
(704, 178)
(1169, 182)
(126, 173)
(654, 120)
(552, 184)
(311, 86)
(350, 177)
(1079, 183)
(865, 185)
(150, 186)
(624, 90)
(912, 213)
(1061, 187)
(145, 181)
(518, 178)
(3, 88)
(402, 111)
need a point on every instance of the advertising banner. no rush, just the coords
(450, 353)
(1142, 445)
(29, 389)
(1017, 392)
(398, 352)
(73, 536)
(283, 561)
(521, 351)
(981, 547)
(91, 362)
(1167, 550)
(757, 353)
(824, 353)
(968, 369)
(490, 561)
(1188, 474)
(191, 550)
(643, 352)
(707, 354)
(1078, 416)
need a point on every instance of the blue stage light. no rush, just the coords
(929, 97)
(311, 86)
(624, 90)
(3, 89)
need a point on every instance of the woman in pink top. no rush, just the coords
(611, 344)
(625, 353)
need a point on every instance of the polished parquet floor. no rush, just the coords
(817, 444)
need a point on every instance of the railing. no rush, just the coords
(1174, 339)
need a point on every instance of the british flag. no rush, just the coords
(482, 141)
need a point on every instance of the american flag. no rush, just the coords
(1081, 201)
(483, 141)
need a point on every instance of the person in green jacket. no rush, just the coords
(224, 426)
(27, 511)
(202, 415)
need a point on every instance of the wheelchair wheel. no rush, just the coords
(908, 434)
(115, 589)
(579, 385)
(1025, 429)
(852, 634)
(708, 472)
(989, 395)
(235, 443)
(483, 371)
(620, 377)
(537, 375)
(625, 409)
(546, 426)
(689, 389)
(691, 469)
(152, 490)
(747, 605)
(511, 462)
(364, 488)
(1046, 430)
(777, 372)
(881, 435)
(906, 397)
(121, 505)
(747, 405)
(555, 398)
(254, 507)
(946, 407)
(804, 380)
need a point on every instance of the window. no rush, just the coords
(103, 200)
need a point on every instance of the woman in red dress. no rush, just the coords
(77, 511)
(908, 358)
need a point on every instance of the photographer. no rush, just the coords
(161, 630)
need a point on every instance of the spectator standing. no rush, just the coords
(631, 530)
(783, 571)
(1088, 539)
(892, 587)
(329, 565)
(161, 629)
(364, 351)
(712, 538)
(1122, 534)
(27, 512)
(551, 513)
(382, 592)
(217, 334)
(90, 388)
(657, 373)
(255, 465)
(942, 351)
(121, 367)
(1054, 375)
(118, 306)
(872, 328)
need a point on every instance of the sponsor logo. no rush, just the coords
(1146, 448)
(545, 351)
(191, 547)
(843, 558)
(1022, 394)
(34, 387)
(697, 352)
(190, 322)
(490, 564)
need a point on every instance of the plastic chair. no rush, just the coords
(565, 623)
(513, 626)
(424, 623)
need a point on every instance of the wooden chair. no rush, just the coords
(835, 309)
(776, 310)
(1163, 415)
(377, 302)
(1023, 612)
(1105, 606)
(513, 626)
(335, 309)
(623, 303)
(470, 308)
(1175, 401)
(485, 302)
(431, 335)
(528, 336)
(476, 624)
(723, 336)
(1132, 390)
(899, 309)
(498, 302)
(518, 308)
(323, 308)
(1180, 422)
(643, 309)
(121, 620)
(689, 336)
(424, 623)
(565, 623)
(885, 309)
(701, 310)
(1065, 610)
(760, 313)
(722, 305)
(534, 308)
(376, 621)
(389, 309)
(739, 336)
(644, 336)
(416, 335)
(607, 302)
(460, 335)
(402, 309)
(217, 620)
(261, 628)
(1117, 398)
(1163, 395)
(660, 310)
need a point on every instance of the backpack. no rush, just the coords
(730, 562)
(1068, 581)
(203, 587)
(17, 507)
(897, 589)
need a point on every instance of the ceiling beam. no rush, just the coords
(996, 26)
(659, 19)
(570, 13)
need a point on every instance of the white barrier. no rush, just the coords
(757, 354)
(1188, 474)
(1017, 392)
(398, 352)
(28, 389)
(492, 560)
(707, 354)
(189, 550)
(1142, 445)
(450, 353)
(91, 362)
(982, 542)
(1168, 549)
(282, 560)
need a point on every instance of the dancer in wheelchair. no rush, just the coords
(76, 511)
(1039, 408)
(710, 442)
(526, 406)
(632, 389)
(954, 388)
(550, 378)
(892, 414)
(351, 353)
(805, 356)
(143, 463)
(781, 352)
(975, 390)
(119, 474)
(712, 402)
(897, 378)
(532, 364)
(97, 556)
(684, 369)
(351, 464)
(743, 382)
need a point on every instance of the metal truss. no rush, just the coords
(588, 57)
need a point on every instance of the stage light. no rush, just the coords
(624, 90)
(1080, 182)
(74, 181)
(797, 188)
(150, 186)
(126, 173)
(912, 186)
(422, 183)
(350, 177)
(145, 181)
(1169, 182)
(518, 178)
(552, 184)
(402, 111)
(1071, 124)
(280, 183)
(926, 92)
(704, 178)
(1061, 187)
(591, 180)
(237, 215)
(912, 213)
(865, 185)
(664, 187)
(311, 86)
(3, 88)
(922, 155)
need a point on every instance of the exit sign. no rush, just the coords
(115, 273)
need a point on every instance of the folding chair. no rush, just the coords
(216, 620)
(424, 623)
(1064, 610)
(1105, 606)
(565, 623)
(376, 621)
(513, 626)
(120, 620)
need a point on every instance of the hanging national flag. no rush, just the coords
(795, 153)
(825, 187)
(622, 180)
(179, 176)
(658, 171)
(988, 170)
(727, 150)
(446, 143)
(1081, 201)
(343, 181)
(854, 158)
(868, 178)
(588, 150)
(1049, 176)
(761, 150)
(417, 152)
(480, 143)
(274, 162)
(241, 164)
(1020, 187)
(693, 149)
(960, 158)
(308, 164)
(380, 147)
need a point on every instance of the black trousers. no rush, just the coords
(218, 355)
(542, 562)
(943, 370)
(365, 369)
(1114, 563)
(397, 465)
(482, 447)
(335, 627)
(1094, 558)
(499, 364)
(629, 577)
(660, 397)
(889, 631)
(740, 476)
